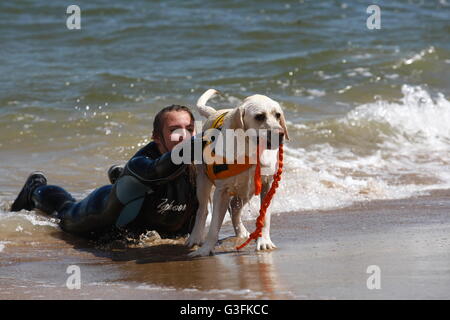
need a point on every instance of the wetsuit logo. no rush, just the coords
(163, 207)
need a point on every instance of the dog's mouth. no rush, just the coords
(273, 139)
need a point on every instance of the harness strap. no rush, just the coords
(224, 170)
(217, 124)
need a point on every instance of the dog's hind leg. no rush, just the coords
(236, 205)
(204, 187)
(221, 200)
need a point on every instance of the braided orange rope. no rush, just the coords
(266, 201)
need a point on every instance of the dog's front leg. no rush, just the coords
(264, 242)
(220, 200)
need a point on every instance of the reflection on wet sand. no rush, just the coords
(167, 265)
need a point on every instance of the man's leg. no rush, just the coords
(85, 217)
(23, 200)
(51, 199)
(92, 214)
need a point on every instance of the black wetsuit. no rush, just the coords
(152, 193)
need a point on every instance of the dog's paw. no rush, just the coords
(263, 243)
(193, 241)
(202, 252)
(243, 234)
(191, 244)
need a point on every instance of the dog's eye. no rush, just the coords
(260, 117)
(277, 115)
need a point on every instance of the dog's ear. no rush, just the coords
(237, 119)
(283, 125)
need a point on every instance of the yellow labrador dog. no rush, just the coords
(256, 112)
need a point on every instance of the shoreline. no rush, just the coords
(321, 255)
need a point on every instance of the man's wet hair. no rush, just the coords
(158, 122)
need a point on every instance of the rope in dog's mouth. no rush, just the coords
(267, 199)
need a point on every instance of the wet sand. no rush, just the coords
(320, 255)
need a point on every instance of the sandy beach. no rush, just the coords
(320, 255)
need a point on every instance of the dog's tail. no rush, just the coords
(203, 109)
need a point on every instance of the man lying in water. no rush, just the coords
(149, 193)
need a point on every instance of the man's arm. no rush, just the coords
(160, 170)
(150, 171)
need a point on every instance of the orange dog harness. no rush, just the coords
(224, 170)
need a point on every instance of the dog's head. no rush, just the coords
(260, 112)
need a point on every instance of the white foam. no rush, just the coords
(154, 288)
(23, 221)
(223, 292)
(416, 57)
(3, 245)
(316, 92)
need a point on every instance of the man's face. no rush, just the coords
(177, 126)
